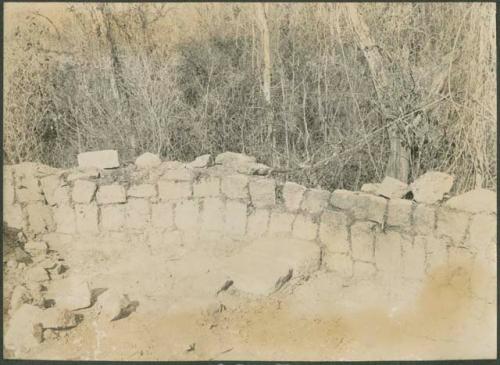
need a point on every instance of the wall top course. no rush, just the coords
(227, 165)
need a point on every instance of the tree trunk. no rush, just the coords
(261, 10)
(399, 159)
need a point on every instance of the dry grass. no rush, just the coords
(182, 80)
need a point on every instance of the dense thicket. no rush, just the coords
(183, 80)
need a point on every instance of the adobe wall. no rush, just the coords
(362, 236)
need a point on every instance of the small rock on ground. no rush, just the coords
(36, 248)
(22, 333)
(111, 305)
(71, 293)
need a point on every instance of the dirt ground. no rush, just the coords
(180, 316)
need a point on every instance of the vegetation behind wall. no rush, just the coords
(183, 80)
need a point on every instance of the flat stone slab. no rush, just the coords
(105, 159)
(264, 265)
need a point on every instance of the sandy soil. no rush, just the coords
(180, 316)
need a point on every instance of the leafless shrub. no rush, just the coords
(182, 80)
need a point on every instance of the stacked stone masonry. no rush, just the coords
(362, 235)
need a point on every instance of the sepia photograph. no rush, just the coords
(249, 181)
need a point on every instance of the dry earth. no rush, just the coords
(180, 316)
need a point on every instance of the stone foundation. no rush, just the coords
(362, 236)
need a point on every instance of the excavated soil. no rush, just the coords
(180, 316)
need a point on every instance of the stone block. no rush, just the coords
(62, 195)
(460, 257)
(65, 220)
(49, 185)
(36, 247)
(187, 215)
(304, 227)
(212, 215)
(83, 191)
(370, 188)
(172, 165)
(369, 207)
(263, 192)
(36, 274)
(253, 168)
(34, 169)
(399, 213)
(171, 190)
(475, 201)
(292, 195)
(281, 223)
(392, 188)
(179, 174)
(233, 159)
(315, 201)
(21, 334)
(235, 186)
(147, 160)
(341, 264)
(13, 216)
(364, 270)
(208, 186)
(414, 259)
(71, 293)
(343, 199)
(105, 159)
(201, 162)
(431, 187)
(436, 252)
(452, 224)
(424, 219)
(362, 241)
(57, 241)
(388, 252)
(111, 304)
(111, 194)
(236, 217)
(162, 215)
(84, 173)
(137, 213)
(362, 205)
(112, 217)
(8, 187)
(258, 221)
(86, 218)
(40, 218)
(142, 191)
(333, 231)
(265, 265)
(482, 232)
(28, 189)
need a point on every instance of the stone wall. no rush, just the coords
(361, 235)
